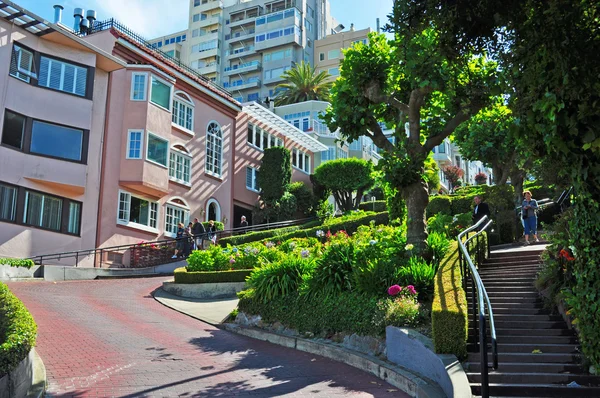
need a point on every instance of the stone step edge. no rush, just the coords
(403, 379)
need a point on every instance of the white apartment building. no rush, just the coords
(245, 46)
(447, 153)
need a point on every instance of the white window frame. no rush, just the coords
(26, 74)
(254, 172)
(306, 160)
(182, 100)
(208, 169)
(170, 92)
(259, 133)
(77, 69)
(145, 93)
(184, 155)
(127, 149)
(170, 205)
(148, 133)
(131, 224)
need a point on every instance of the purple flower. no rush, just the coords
(231, 260)
(411, 289)
(305, 253)
(394, 290)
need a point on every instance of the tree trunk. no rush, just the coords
(516, 179)
(416, 198)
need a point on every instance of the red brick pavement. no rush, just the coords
(112, 339)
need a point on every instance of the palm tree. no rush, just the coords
(303, 83)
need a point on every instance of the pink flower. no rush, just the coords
(394, 290)
(411, 289)
(231, 260)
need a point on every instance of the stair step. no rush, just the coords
(519, 310)
(521, 357)
(512, 259)
(501, 275)
(515, 290)
(534, 378)
(529, 281)
(537, 390)
(527, 318)
(537, 339)
(509, 266)
(495, 254)
(516, 367)
(530, 347)
(507, 303)
(502, 331)
(526, 324)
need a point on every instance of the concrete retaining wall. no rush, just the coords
(413, 351)
(7, 272)
(60, 273)
(204, 290)
(17, 383)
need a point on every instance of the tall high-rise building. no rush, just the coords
(245, 46)
(328, 50)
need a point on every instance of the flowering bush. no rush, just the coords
(403, 309)
(481, 178)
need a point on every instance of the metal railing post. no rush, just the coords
(485, 386)
(76, 258)
(101, 256)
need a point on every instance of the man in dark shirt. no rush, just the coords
(199, 232)
(244, 225)
(481, 209)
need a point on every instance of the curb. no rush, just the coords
(38, 386)
(401, 378)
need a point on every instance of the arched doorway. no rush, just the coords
(213, 210)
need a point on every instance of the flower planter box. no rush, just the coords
(204, 290)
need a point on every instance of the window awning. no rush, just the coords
(275, 122)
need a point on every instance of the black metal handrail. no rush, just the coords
(100, 26)
(77, 254)
(479, 297)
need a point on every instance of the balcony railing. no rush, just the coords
(322, 129)
(239, 83)
(242, 66)
(240, 34)
(240, 50)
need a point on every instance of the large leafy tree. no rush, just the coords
(303, 83)
(420, 85)
(347, 180)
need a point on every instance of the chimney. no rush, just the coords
(378, 28)
(58, 13)
(91, 16)
(351, 27)
(78, 15)
(85, 26)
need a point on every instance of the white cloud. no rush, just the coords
(149, 18)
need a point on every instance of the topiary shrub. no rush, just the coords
(441, 204)
(17, 331)
(183, 276)
(306, 202)
(463, 204)
(377, 206)
(449, 308)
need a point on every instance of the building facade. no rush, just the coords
(53, 109)
(328, 50)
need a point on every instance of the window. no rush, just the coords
(134, 144)
(310, 11)
(196, 3)
(308, 25)
(442, 148)
(42, 211)
(161, 93)
(56, 141)
(214, 148)
(213, 210)
(334, 71)
(183, 111)
(341, 154)
(301, 160)
(21, 64)
(173, 216)
(262, 139)
(252, 179)
(321, 56)
(329, 154)
(157, 149)
(62, 76)
(14, 130)
(356, 145)
(195, 33)
(8, 203)
(138, 86)
(180, 163)
(333, 54)
(196, 17)
(136, 210)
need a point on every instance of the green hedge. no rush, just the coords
(377, 206)
(449, 312)
(256, 236)
(17, 331)
(17, 262)
(344, 312)
(182, 276)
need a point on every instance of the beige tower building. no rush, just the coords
(328, 50)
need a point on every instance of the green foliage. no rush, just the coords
(17, 262)
(305, 199)
(333, 272)
(325, 210)
(439, 204)
(256, 236)
(377, 206)
(402, 312)
(303, 83)
(449, 308)
(439, 245)
(200, 260)
(396, 205)
(432, 175)
(184, 276)
(17, 331)
(280, 278)
(274, 174)
(419, 274)
(219, 226)
(286, 207)
(344, 177)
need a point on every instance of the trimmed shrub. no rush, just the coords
(305, 199)
(183, 276)
(260, 235)
(440, 204)
(17, 331)
(449, 310)
(377, 206)
(17, 262)
(463, 204)
(200, 260)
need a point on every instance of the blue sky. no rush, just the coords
(151, 18)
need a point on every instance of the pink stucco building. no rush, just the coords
(52, 108)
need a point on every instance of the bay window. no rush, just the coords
(157, 149)
(160, 93)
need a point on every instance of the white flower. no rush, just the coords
(454, 219)
(409, 247)
(372, 242)
(320, 233)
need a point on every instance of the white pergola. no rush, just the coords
(275, 122)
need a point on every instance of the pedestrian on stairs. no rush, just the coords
(528, 213)
(199, 233)
(481, 209)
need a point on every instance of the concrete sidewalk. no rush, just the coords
(213, 312)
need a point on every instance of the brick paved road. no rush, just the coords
(111, 338)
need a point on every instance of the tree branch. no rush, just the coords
(374, 94)
(462, 116)
(379, 139)
(417, 97)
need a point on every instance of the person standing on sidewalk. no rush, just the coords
(198, 231)
(528, 213)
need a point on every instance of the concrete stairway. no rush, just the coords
(523, 327)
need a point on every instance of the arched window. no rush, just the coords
(183, 111)
(213, 210)
(176, 211)
(214, 149)
(180, 165)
